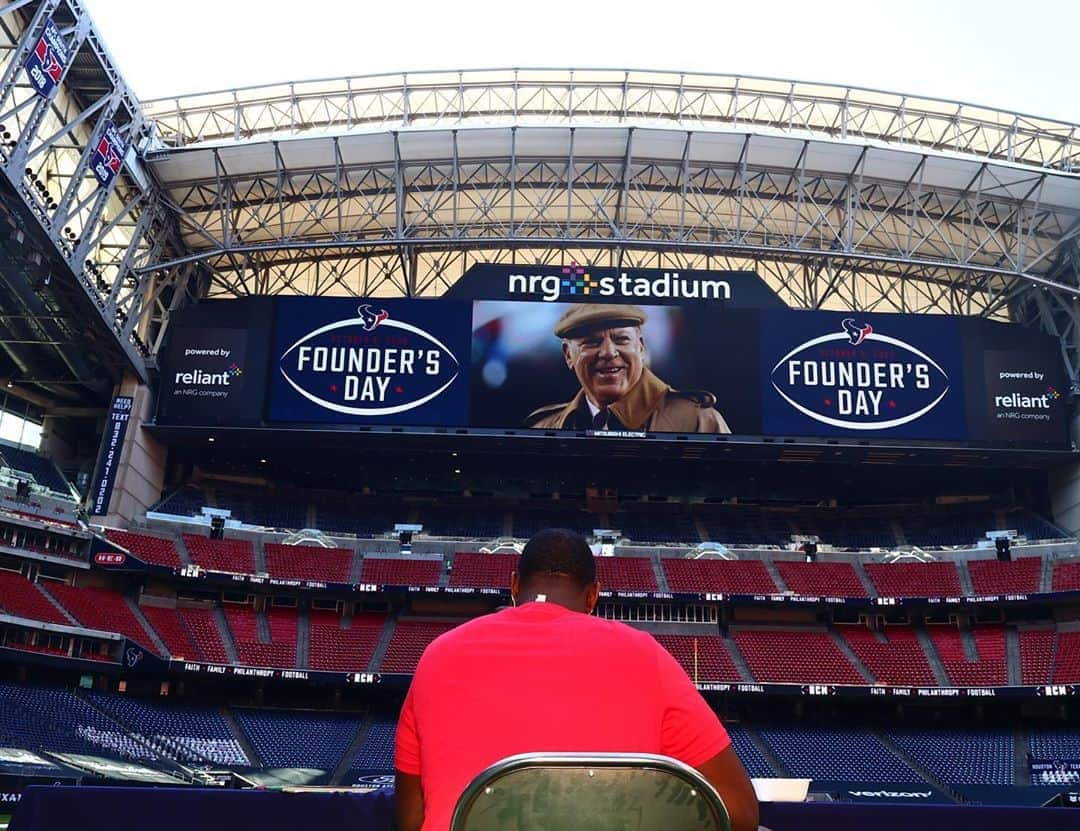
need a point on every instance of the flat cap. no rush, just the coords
(584, 317)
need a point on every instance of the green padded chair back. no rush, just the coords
(590, 792)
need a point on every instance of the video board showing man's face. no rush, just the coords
(565, 366)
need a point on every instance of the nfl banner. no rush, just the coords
(109, 458)
(47, 61)
(108, 155)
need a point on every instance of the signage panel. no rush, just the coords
(109, 456)
(47, 61)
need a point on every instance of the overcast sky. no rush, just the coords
(1018, 56)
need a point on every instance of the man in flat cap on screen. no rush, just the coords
(603, 345)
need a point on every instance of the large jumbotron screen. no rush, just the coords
(601, 352)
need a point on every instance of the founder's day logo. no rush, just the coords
(859, 379)
(369, 365)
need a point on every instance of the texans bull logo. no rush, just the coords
(371, 319)
(856, 334)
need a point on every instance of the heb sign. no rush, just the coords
(47, 61)
(110, 558)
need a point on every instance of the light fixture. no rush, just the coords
(210, 439)
(262, 461)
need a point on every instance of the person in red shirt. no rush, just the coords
(546, 676)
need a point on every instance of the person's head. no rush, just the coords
(604, 347)
(558, 564)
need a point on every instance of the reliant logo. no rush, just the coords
(577, 282)
(858, 379)
(200, 377)
(370, 365)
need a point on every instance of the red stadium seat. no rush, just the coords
(308, 562)
(821, 579)
(794, 656)
(915, 579)
(727, 576)
(398, 571)
(173, 633)
(713, 661)
(628, 574)
(1036, 655)
(102, 609)
(409, 641)
(252, 651)
(206, 633)
(991, 577)
(1067, 576)
(147, 548)
(483, 571)
(1067, 663)
(235, 556)
(21, 598)
(989, 670)
(339, 649)
(894, 657)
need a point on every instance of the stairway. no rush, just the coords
(303, 639)
(864, 578)
(856, 662)
(226, 635)
(932, 657)
(1012, 656)
(383, 644)
(739, 660)
(357, 567)
(780, 769)
(260, 557)
(916, 766)
(59, 607)
(241, 737)
(658, 572)
(338, 775)
(774, 572)
(1046, 575)
(159, 644)
(965, 580)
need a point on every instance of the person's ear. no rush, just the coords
(566, 354)
(515, 586)
(592, 596)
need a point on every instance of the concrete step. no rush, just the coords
(843, 646)
(965, 580)
(864, 578)
(971, 651)
(1046, 574)
(303, 639)
(383, 644)
(357, 567)
(1022, 773)
(338, 775)
(932, 657)
(241, 737)
(159, 644)
(1012, 655)
(260, 557)
(740, 661)
(661, 577)
(226, 635)
(779, 768)
(914, 764)
(262, 627)
(59, 607)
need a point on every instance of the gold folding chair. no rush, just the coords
(590, 792)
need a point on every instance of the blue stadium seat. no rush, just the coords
(962, 758)
(376, 753)
(298, 739)
(837, 755)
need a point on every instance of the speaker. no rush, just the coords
(810, 550)
(1001, 544)
(22, 487)
(217, 528)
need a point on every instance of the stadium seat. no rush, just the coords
(989, 669)
(821, 579)
(339, 649)
(173, 633)
(21, 598)
(376, 753)
(43, 471)
(991, 577)
(837, 755)
(1067, 576)
(893, 656)
(298, 739)
(483, 571)
(235, 556)
(409, 640)
(795, 656)
(915, 579)
(727, 576)
(279, 651)
(1067, 662)
(399, 571)
(205, 633)
(985, 757)
(149, 549)
(308, 562)
(628, 574)
(102, 609)
(1036, 655)
(713, 662)
(194, 735)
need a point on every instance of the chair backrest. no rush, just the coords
(590, 792)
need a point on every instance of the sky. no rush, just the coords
(1014, 56)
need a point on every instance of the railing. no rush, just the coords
(605, 96)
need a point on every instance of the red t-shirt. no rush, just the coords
(537, 678)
